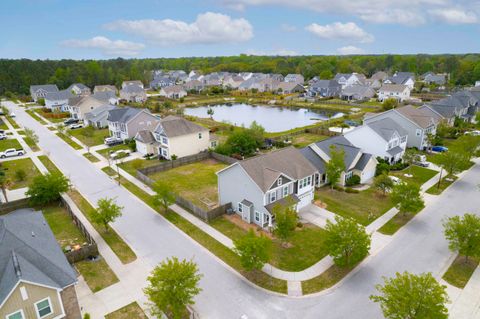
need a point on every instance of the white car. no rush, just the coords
(473, 133)
(120, 153)
(75, 126)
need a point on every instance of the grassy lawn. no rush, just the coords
(31, 143)
(12, 122)
(307, 245)
(91, 157)
(130, 311)
(36, 117)
(119, 247)
(49, 164)
(131, 166)
(25, 164)
(9, 143)
(460, 271)
(54, 117)
(306, 139)
(97, 274)
(420, 175)
(221, 251)
(105, 152)
(69, 141)
(359, 206)
(436, 190)
(196, 182)
(109, 171)
(95, 139)
(3, 126)
(396, 223)
(326, 280)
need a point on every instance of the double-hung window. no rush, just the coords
(273, 196)
(257, 216)
(285, 191)
(44, 308)
(16, 315)
(240, 207)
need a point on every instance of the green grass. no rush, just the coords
(62, 116)
(12, 122)
(116, 243)
(109, 171)
(364, 207)
(420, 175)
(196, 182)
(97, 274)
(62, 226)
(306, 245)
(306, 139)
(437, 190)
(460, 271)
(25, 164)
(132, 166)
(52, 168)
(69, 141)
(105, 152)
(3, 126)
(221, 251)
(130, 311)
(31, 143)
(96, 138)
(326, 280)
(36, 117)
(397, 222)
(91, 157)
(9, 143)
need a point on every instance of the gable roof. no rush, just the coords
(133, 88)
(81, 86)
(173, 126)
(265, 169)
(44, 87)
(401, 77)
(58, 96)
(341, 143)
(97, 113)
(393, 88)
(123, 114)
(419, 116)
(103, 88)
(173, 89)
(145, 136)
(29, 252)
(386, 128)
(104, 95)
(318, 84)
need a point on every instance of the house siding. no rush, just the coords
(189, 144)
(143, 121)
(70, 303)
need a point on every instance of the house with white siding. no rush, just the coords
(398, 92)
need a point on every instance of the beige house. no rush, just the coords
(173, 92)
(78, 106)
(174, 136)
(36, 280)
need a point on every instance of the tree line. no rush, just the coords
(17, 75)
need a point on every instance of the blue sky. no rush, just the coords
(54, 29)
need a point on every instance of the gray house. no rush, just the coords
(98, 117)
(256, 185)
(464, 105)
(357, 92)
(40, 91)
(325, 88)
(36, 280)
(133, 92)
(296, 78)
(125, 122)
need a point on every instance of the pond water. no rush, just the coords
(273, 119)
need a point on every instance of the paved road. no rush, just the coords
(418, 247)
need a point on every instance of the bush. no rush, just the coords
(174, 157)
(47, 188)
(398, 166)
(338, 188)
(354, 180)
(20, 175)
(351, 190)
(41, 101)
(382, 168)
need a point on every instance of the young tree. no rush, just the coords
(47, 188)
(257, 132)
(412, 296)
(242, 142)
(463, 235)
(164, 196)
(210, 112)
(389, 104)
(336, 166)
(347, 241)
(106, 212)
(383, 183)
(409, 157)
(172, 286)
(407, 198)
(31, 135)
(285, 221)
(452, 162)
(254, 250)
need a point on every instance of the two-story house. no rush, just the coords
(36, 280)
(173, 92)
(295, 78)
(418, 122)
(383, 138)
(256, 185)
(356, 161)
(174, 136)
(348, 79)
(133, 92)
(463, 105)
(78, 106)
(58, 101)
(79, 89)
(98, 116)
(405, 78)
(125, 122)
(398, 92)
(40, 91)
(325, 88)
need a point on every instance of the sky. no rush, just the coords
(104, 29)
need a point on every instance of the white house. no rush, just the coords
(399, 92)
(405, 78)
(383, 138)
(173, 92)
(256, 185)
(349, 79)
(58, 101)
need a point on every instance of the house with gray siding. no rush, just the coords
(256, 185)
(40, 91)
(125, 122)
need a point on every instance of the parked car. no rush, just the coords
(12, 152)
(119, 154)
(3, 136)
(473, 133)
(439, 149)
(70, 121)
(75, 126)
(110, 141)
(421, 160)
(12, 114)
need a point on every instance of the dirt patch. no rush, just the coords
(237, 220)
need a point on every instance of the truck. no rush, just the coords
(12, 152)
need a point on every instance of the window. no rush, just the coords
(43, 308)
(309, 180)
(23, 293)
(16, 315)
(257, 216)
(165, 140)
(273, 197)
(240, 207)
(418, 132)
(279, 182)
(199, 135)
(285, 191)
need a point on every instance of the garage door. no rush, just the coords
(305, 199)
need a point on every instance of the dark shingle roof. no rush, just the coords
(29, 251)
(60, 95)
(340, 142)
(122, 114)
(363, 161)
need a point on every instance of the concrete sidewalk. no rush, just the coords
(467, 304)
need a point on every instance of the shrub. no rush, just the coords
(174, 157)
(41, 101)
(354, 180)
(351, 190)
(382, 168)
(20, 175)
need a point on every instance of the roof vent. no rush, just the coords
(33, 234)
(16, 265)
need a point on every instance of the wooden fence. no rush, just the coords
(14, 205)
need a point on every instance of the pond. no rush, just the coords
(272, 118)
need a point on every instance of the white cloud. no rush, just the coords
(288, 28)
(279, 52)
(348, 50)
(406, 12)
(107, 46)
(340, 31)
(208, 28)
(454, 16)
